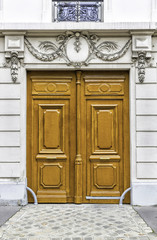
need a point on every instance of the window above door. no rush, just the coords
(77, 11)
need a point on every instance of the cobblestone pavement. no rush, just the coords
(76, 222)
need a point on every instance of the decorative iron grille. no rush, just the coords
(77, 11)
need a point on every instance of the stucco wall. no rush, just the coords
(114, 11)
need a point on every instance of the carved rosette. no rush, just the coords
(77, 49)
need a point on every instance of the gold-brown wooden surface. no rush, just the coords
(78, 135)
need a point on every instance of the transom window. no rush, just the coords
(77, 11)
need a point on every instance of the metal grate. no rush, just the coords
(78, 11)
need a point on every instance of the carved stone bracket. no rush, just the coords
(142, 58)
(14, 53)
(141, 66)
(77, 49)
(12, 61)
(141, 51)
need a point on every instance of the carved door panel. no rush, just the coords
(52, 138)
(105, 114)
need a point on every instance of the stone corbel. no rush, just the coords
(14, 53)
(142, 58)
(141, 51)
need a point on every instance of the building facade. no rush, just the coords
(78, 103)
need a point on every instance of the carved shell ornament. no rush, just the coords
(77, 49)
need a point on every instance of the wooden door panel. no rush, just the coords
(51, 175)
(104, 128)
(53, 131)
(104, 179)
(52, 181)
(52, 135)
(105, 145)
(100, 85)
(52, 113)
(48, 86)
(52, 127)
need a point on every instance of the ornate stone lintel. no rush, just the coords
(78, 49)
(14, 53)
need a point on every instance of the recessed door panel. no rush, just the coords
(52, 126)
(52, 134)
(104, 128)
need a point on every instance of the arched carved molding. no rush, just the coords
(85, 48)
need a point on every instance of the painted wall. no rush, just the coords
(38, 11)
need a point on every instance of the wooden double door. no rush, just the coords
(77, 135)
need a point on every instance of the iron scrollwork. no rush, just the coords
(78, 11)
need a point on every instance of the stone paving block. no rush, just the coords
(76, 222)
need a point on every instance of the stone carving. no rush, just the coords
(77, 42)
(85, 45)
(14, 53)
(141, 59)
(14, 66)
(12, 62)
(44, 56)
(114, 56)
(141, 51)
(141, 66)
